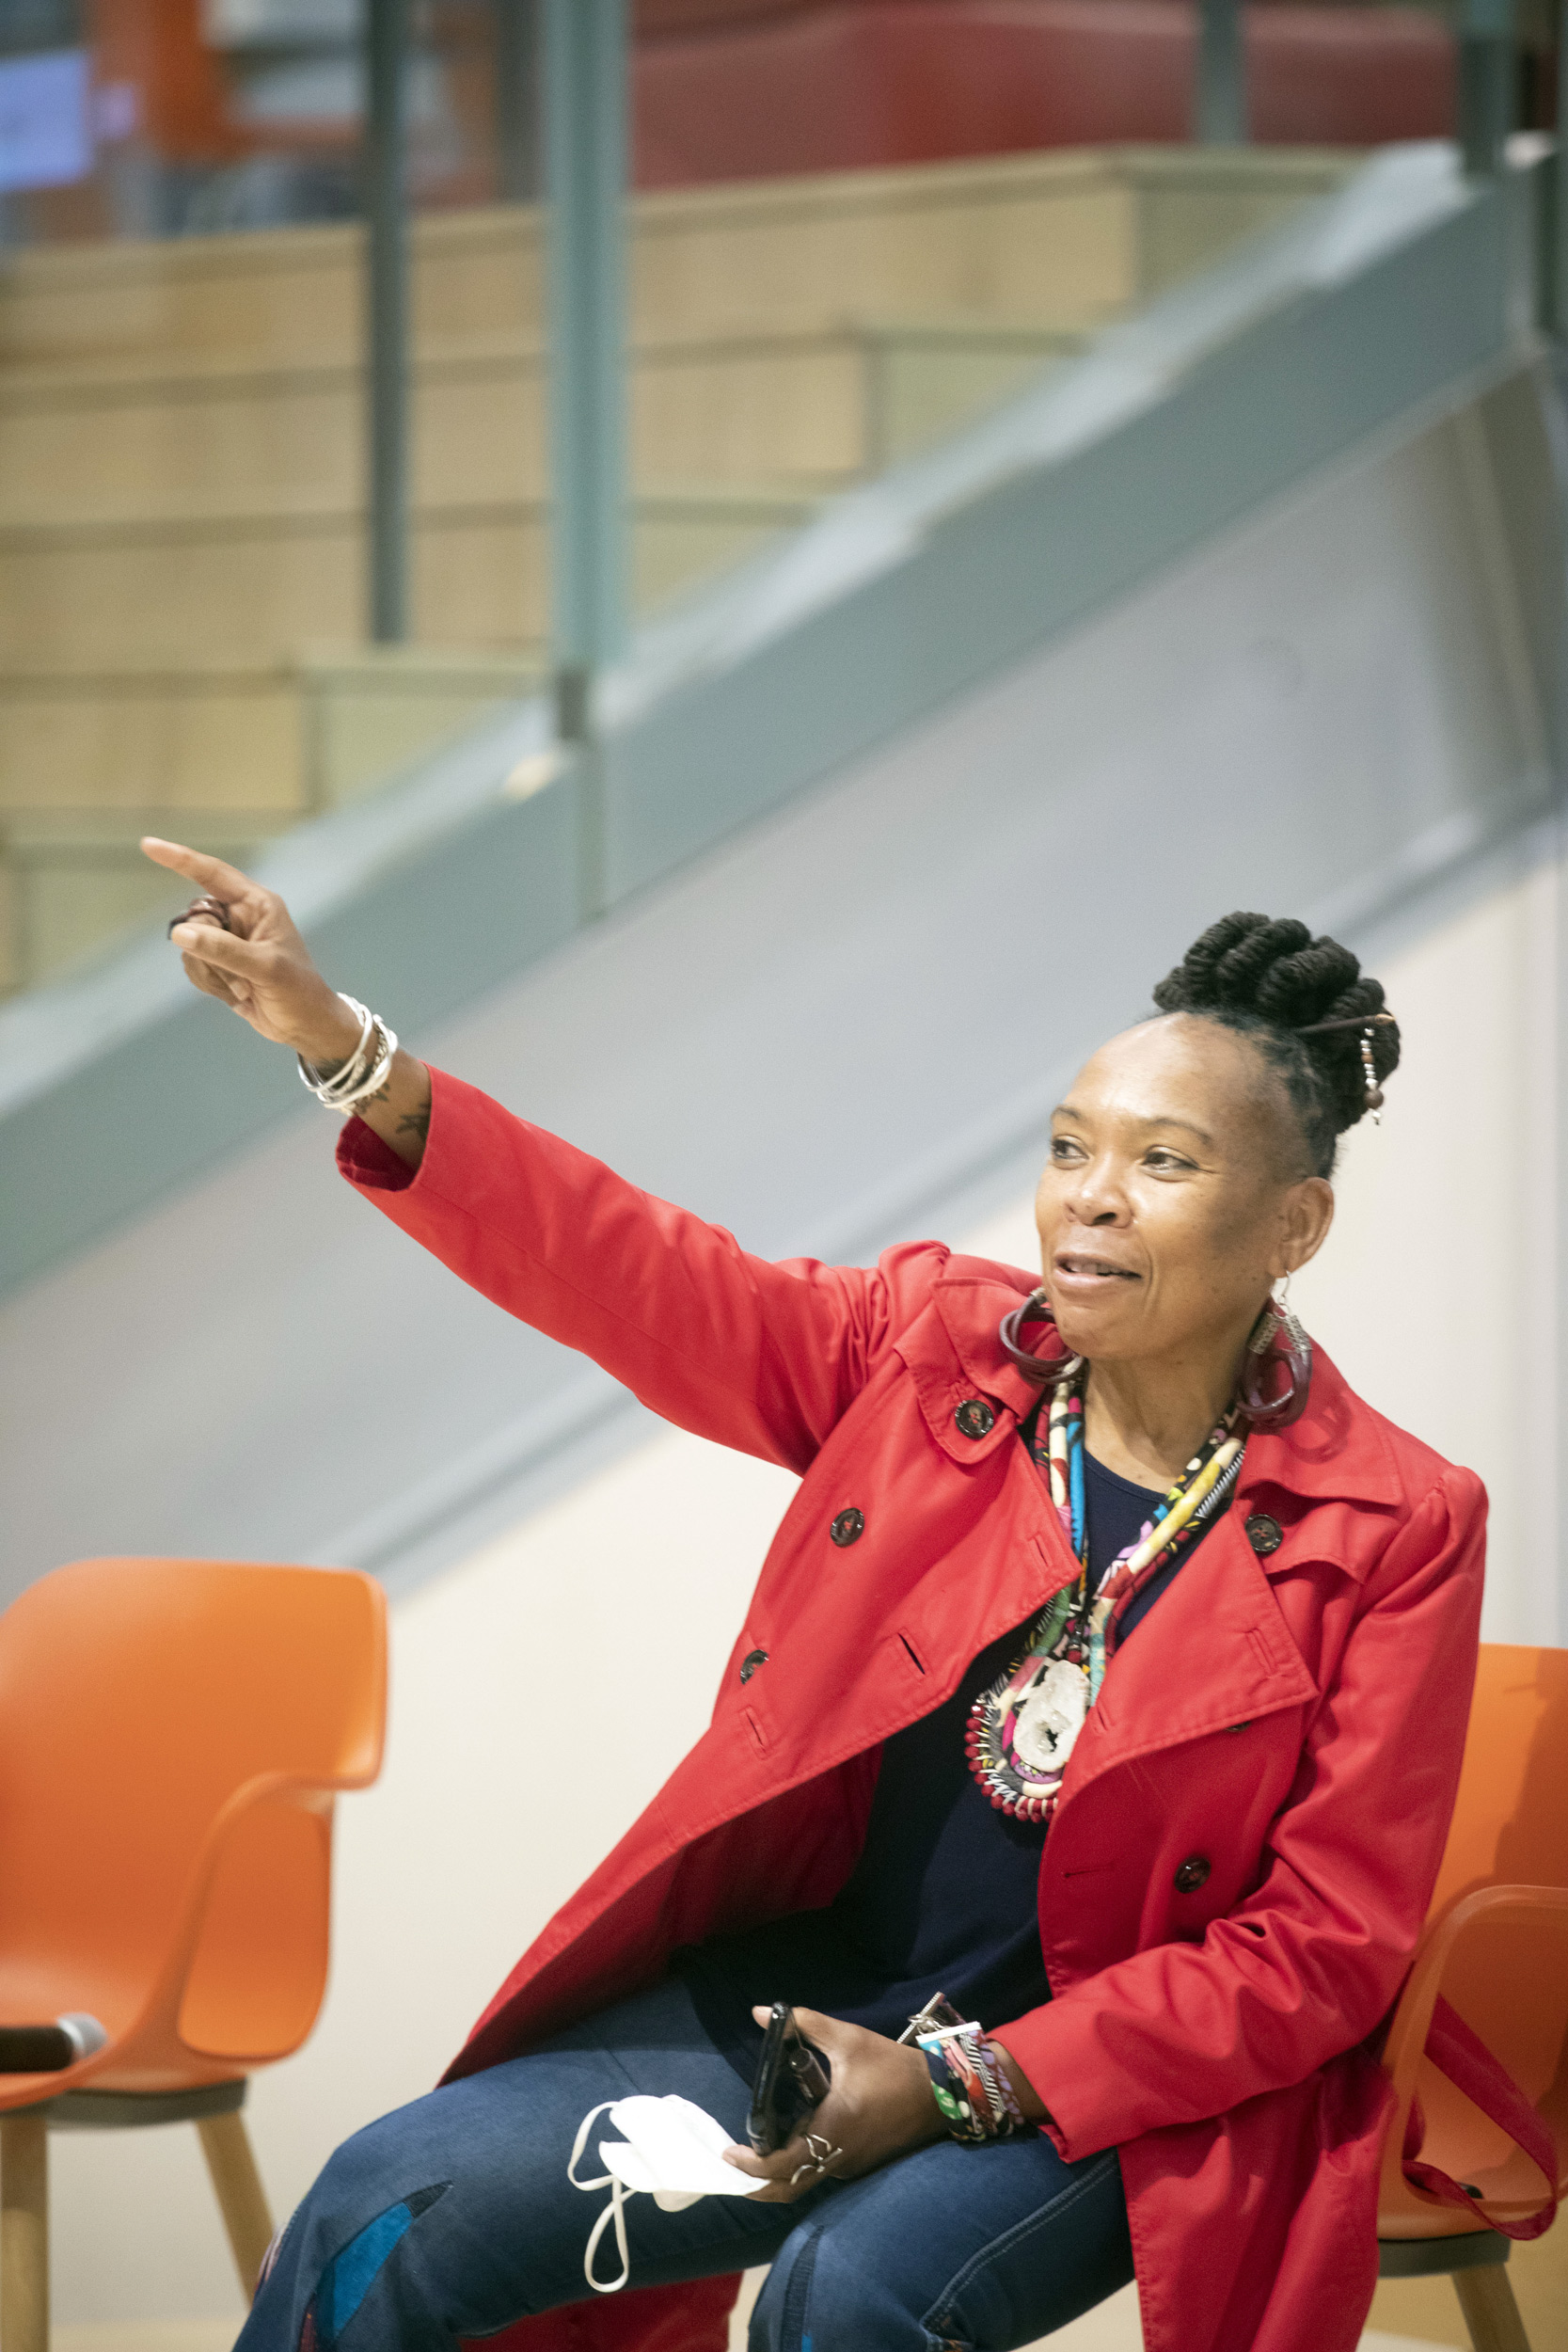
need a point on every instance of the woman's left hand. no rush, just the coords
(879, 2107)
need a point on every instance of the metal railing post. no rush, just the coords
(1488, 64)
(387, 315)
(1556, 227)
(585, 151)
(1220, 106)
(518, 143)
(585, 164)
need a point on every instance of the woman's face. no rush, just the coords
(1173, 1196)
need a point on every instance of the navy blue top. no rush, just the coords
(945, 1895)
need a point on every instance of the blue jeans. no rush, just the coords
(453, 2216)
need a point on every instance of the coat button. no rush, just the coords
(750, 1664)
(976, 1418)
(848, 1527)
(1193, 1874)
(1264, 1534)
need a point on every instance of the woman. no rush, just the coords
(1171, 1873)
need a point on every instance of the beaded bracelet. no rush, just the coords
(969, 2084)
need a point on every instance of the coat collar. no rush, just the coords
(1223, 1656)
(1337, 1452)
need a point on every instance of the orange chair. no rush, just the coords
(1495, 1948)
(172, 1732)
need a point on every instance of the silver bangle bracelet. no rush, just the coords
(366, 1068)
(377, 1077)
(348, 1072)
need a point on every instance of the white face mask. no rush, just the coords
(668, 2148)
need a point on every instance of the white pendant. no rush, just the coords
(1051, 1715)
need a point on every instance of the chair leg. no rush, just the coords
(1491, 2314)
(24, 2233)
(231, 2162)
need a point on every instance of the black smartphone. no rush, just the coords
(792, 2080)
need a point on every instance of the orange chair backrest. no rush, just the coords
(140, 1700)
(1510, 1824)
(1505, 1973)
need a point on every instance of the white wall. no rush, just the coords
(1437, 1291)
(542, 1689)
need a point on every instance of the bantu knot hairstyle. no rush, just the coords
(1271, 980)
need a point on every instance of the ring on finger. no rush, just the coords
(207, 907)
(823, 2153)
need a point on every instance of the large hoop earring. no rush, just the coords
(1277, 1344)
(1045, 1370)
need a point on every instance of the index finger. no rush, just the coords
(224, 882)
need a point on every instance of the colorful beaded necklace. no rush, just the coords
(1023, 1729)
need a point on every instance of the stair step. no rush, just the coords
(89, 763)
(239, 587)
(65, 899)
(1068, 234)
(286, 741)
(806, 410)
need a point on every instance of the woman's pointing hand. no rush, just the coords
(258, 965)
(252, 959)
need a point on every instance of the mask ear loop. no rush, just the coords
(616, 2211)
(581, 2141)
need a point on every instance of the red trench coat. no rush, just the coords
(1294, 1720)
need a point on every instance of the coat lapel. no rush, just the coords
(1214, 1651)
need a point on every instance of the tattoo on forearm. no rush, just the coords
(415, 1122)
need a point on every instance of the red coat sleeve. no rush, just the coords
(762, 1357)
(1312, 1960)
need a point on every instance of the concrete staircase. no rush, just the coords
(182, 527)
